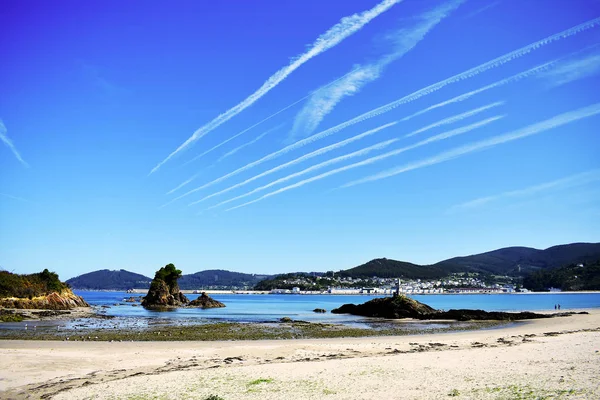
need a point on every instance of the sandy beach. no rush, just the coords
(547, 358)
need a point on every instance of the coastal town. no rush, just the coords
(461, 283)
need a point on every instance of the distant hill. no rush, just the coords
(110, 280)
(122, 280)
(519, 261)
(570, 277)
(218, 278)
(386, 268)
(514, 261)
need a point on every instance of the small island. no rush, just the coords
(164, 292)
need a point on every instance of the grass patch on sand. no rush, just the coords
(226, 331)
(11, 318)
(259, 381)
(527, 392)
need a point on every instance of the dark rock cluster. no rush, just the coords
(162, 295)
(399, 307)
(204, 301)
(388, 307)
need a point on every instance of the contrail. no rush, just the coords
(371, 160)
(10, 144)
(514, 78)
(570, 181)
(261, 121)
(465, 96)
(324, 100)
(420, 93)
(455, 118)
(533, 129)
(15, 197)
(256, 139)
(324, 164)
(573, 70)
(305, 157)
(344, 142)
(182, 184)
(336, 34)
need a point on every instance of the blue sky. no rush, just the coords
(310, 135)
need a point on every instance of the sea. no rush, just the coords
(113, 312)
(272, 307)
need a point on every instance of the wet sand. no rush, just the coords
(553, 358)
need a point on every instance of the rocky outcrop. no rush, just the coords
(320, 310)
(480, 315)
(205, 301)
(388, 307)
(398, 307)
(164, 292)
(65, 300)
(161, 295)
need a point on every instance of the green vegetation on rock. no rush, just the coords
(37, 291)
(29, 286)
(164, 290)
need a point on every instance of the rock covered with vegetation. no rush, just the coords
(399, 307)
(164, 290)
(37, 291)
(205, 301)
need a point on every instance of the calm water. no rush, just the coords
(251, 308)
(270, 308)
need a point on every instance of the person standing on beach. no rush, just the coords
(555, 306)
(559, 306)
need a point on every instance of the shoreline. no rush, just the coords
(266, 292)
(547, 357)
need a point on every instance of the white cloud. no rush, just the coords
(4, 137)
(499, 61)
(324, 100)
(573, 69)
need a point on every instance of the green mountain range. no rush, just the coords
(123, 280)
(218, 278)
(105, 279)
(511, 261)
